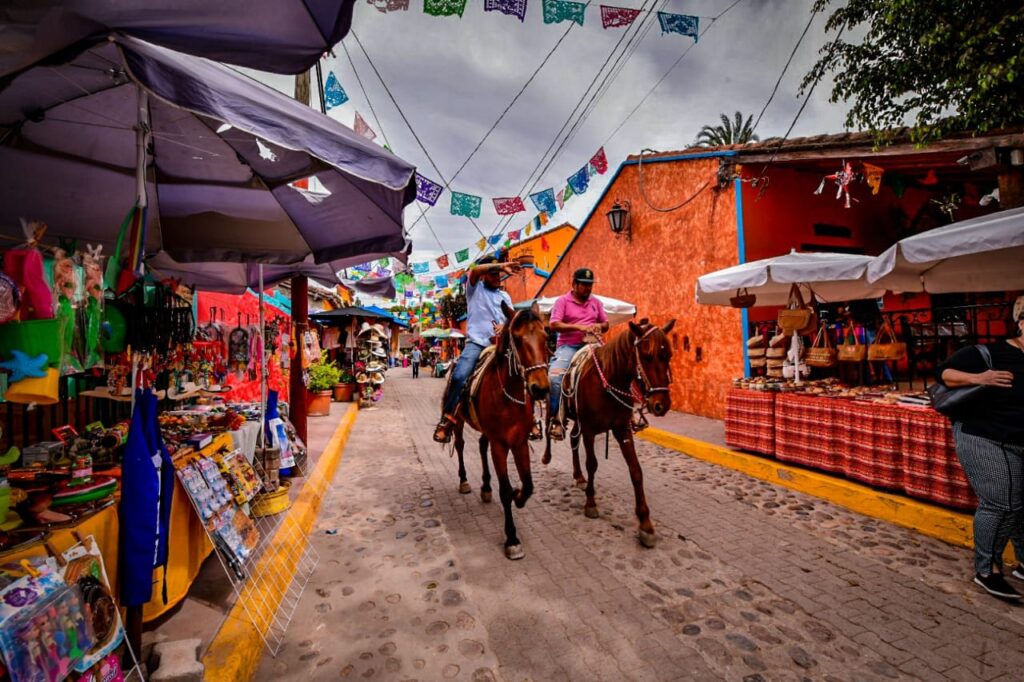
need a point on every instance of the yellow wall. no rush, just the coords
(525, 286)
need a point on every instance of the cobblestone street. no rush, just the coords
(748, 582)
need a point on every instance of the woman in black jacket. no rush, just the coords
(989, 436)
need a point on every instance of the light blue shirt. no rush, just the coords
(483, 312)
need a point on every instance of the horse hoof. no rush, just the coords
(546, 459)
(581, 483)
(465, 488)
(648, 540)
(485, 497)
(514, 552)
(591, 512)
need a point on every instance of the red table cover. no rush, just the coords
(867, 436)
(805, 433)
(932, 470)
(750, 421)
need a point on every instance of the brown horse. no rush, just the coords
(632, 370)
(502, 410)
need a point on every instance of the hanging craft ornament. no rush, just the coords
(466, 205)
(461, 256)
(442, 262)
(579, 181)
(427, 190)
(361, 127)
(617, 17)
(508, 205)
(22, 366)
(494, 239)
(514, 235)
(513, 8)
(334, 94)
(444, 8)
(873, 176)
(557, 11)
(683, 24)
(599, 161)
(545, 200)
(843, 177)
(948, 204)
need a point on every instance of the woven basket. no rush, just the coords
(755, 352)
(797, 317)
(757, 362)
(851, 352)
(773, 363)
(268, 504)
(888, 349)
(823, 355)
(755, 341)
(775, 372)
(775, 353)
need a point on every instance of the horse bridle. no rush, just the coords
(645, 384)
(516, 368)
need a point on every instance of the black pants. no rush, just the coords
(415, 370)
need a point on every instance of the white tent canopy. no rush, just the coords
(617, 311)
(980, 254)
(831, 276)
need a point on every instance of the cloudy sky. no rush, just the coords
(453, 78)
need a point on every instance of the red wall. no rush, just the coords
(658, 270)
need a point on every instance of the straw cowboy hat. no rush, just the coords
(361, 378)
(375, 367)
(377, 378)
(379, 352)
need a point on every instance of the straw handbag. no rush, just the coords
(797, 317)
(756, 352)
(755, 341)
(756, 362)
(823, 355)
(851, 352)
(885, 346)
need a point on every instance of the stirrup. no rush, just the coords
(443, 430)
(556, 430)
(537, 432)
(638, 423)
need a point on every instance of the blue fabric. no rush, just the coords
(463, 369)
(138, 511)
(560, 361)
(155, 440)
(483, 308)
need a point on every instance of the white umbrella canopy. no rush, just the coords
(616, 310)
(831, 276)
(980, 254)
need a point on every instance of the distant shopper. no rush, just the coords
(989, 438)
(417, 356)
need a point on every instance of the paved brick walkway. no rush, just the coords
(749, 581)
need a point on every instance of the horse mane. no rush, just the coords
(504, 338)
(617, 355)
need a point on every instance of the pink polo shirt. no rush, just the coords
(567, 310)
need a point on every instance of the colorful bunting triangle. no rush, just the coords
(545, 200)
(334, 94)
(599, 161)
(442, 262)
(361, 127)
(579, 181)
(461, 256)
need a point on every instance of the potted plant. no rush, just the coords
(345, 387)
(322, 378)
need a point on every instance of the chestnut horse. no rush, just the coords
(631, 371)
(502, 410)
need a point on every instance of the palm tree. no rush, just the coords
(730, 132)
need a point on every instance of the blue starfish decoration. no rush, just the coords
(23, 366)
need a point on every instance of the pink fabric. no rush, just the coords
(567, 310)
(25, 266)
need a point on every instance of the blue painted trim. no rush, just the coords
(611, 182)
(742, 253)
(542, 273)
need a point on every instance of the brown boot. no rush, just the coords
(537, 432)
(555, 430)
(443, 432)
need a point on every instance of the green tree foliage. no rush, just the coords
(452, 307)
(730, 132)
(941, 66)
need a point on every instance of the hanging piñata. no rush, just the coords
(843, 177)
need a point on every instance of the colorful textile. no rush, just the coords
(931, 470)
(616, 17)
(804, 433)
(514, 8)
(442, 262)
(543, 218)
(599, 161)
(867, 439)
(462, 255)
(334, 94)
(683, 24)
(384, 262)
(494, 239)
(466, 205)
(361, 127)
(508, 205)
(385, 6)
(427, 190)
(750, 421)
(420, 268)
(444, 8)
(579, 181)
(557, 11)
(545, 200)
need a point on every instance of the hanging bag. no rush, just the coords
(797, 317)
(742, 299)
(952, 401)
(885, 346)
(822, 353)
(854, 351)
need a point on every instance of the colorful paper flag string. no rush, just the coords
(494, 239)
(442, 262)
(508, 205)
(444, 8)
(385, 6)
(579, 181)
(617, 17)
(560, 198)
(427, 190)
(466, 205)
(557, 11)
(545, 201)
(683, 24)
(481, 244)
(334, 94)
(461, 256)
(514, 8)
(567, 192)
(599, 161)
(361, 127)
(420, 268)
(514, 235)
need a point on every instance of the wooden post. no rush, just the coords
(1011, 189)
(302, 87)
(296, 389)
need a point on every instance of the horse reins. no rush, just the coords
(515, 368)
(633, 395)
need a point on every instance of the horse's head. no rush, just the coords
(527, 343)
(653, 354)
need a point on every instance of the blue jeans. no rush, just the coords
(559, 363)
(463, 369)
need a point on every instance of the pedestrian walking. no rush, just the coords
(989, 436)
(416, 357)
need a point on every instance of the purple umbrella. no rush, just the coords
(282, 36)
(221, 152)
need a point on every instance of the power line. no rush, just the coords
(785, 68)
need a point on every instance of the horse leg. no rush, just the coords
(499, 453)
(521, 456)
(590, 507)
(577, 473)
(460, 444)
(546, 459)
(624, 435)
(485, 488)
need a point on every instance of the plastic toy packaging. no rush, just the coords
(199, 491)
(44, 631)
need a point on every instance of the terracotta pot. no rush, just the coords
(525, 259)
(343, 392)
(318, 403)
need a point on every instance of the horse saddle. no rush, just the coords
(472, 386)
(571, 380)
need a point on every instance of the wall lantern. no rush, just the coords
(618, 219)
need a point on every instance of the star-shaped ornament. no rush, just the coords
(22, 366)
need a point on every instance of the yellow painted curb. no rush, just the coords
(949, 526)
(235, 653)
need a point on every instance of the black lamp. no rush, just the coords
(618, 218)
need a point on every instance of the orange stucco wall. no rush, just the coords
(658, 269)
(526, 284)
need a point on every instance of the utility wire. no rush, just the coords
(785, 68)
